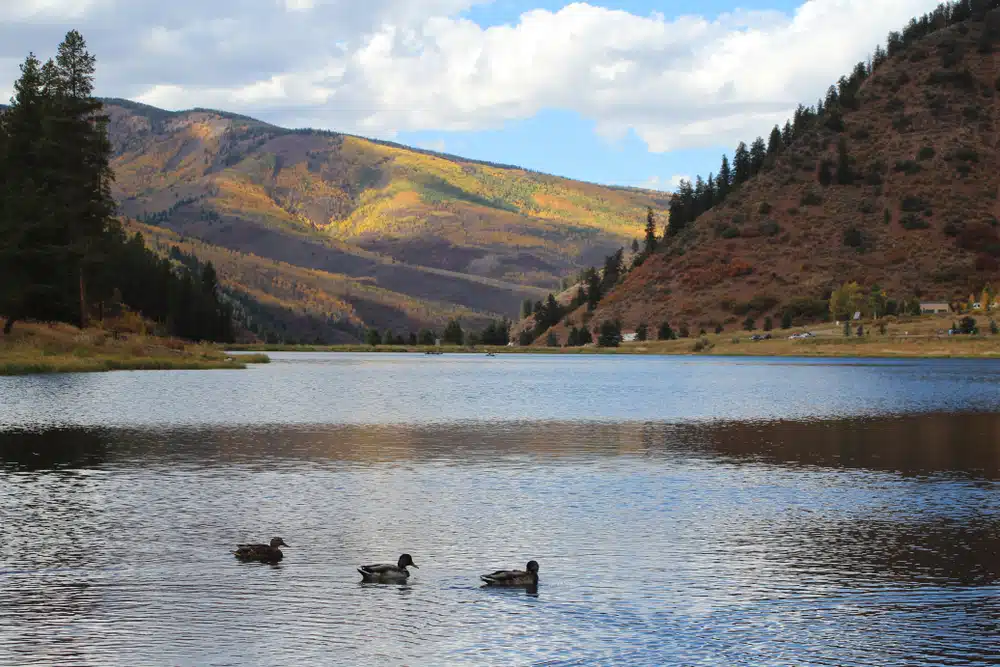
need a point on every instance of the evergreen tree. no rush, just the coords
(774, 143)
(665, 332)
(453, 334)
(610, 334)
(593, 290)
(724, 180)
(742, 165)
(373, 337)
(844, 175)
(650, 246)
(642, 332)
(787, 134)
(758, 154)
(29, 248)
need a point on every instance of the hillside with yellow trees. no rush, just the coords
(445, 234)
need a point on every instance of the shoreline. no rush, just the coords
(42, 348)
(876, 347)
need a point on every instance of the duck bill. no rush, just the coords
(414, 565)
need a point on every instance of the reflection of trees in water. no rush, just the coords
(911, 445)
(53, 449)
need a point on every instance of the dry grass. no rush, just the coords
(61, 348)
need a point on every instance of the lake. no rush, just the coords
(684, 511)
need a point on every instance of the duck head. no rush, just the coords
(406, 560)
(278, 542)
(532, 566)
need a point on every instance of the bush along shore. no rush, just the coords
(62, 348)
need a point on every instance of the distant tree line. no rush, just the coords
(495, 333)
(63, 254)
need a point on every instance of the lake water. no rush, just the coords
(683, 511)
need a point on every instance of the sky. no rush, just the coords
(624, 92)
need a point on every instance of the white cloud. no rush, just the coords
(437, 145)
(669, 185)
(383, 66)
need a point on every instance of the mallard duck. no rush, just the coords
(264, 553)
(513, 577)
(387, 573)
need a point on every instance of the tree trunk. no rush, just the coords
(8, 325)
(83, 302)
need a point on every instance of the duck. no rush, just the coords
(264, 553)
(387, 573)
(513, 577)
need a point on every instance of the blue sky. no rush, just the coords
(627, 92)
(564, 142)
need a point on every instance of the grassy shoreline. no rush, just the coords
(885, 347)
(39, 348)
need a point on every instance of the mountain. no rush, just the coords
(280, 301)
(443, 234)
(892, 181)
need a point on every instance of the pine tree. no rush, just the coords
(29, 248)
(741, 164)
(758, 154)
(774, 143)
(650, 244)
(594, 293)
(78, 152)
(724, 180)
(844, 175)
(787, 134)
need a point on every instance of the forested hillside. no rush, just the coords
(64, 256)
(890, 181)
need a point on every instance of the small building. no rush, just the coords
(630, 337)
(934, 307)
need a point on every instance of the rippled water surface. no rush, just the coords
(684, 512)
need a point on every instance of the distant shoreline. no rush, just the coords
(881, 347)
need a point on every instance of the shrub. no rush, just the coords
(853, 238)
(718, 328)
(908, 167)
(764, 208)
(912, 221)
(786, 319)
(953, 228)
(702, 344)
(913, 204)
(730, 232)
(926, 153)
(902, 122)
(770, 228)
(895, 104)
(768, 323)
(860, 134)
(887, 216)
(994, 329)
(750, 323)
(965, 154)
(811, 198)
